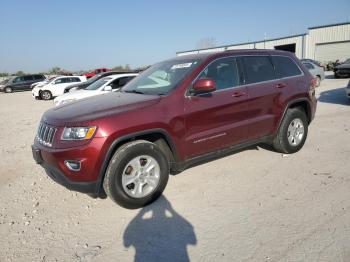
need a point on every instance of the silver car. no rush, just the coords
(315, 70)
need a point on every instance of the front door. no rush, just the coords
(217, 120)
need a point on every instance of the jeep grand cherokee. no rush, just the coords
(178, 112)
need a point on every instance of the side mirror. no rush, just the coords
(107, 88)
(202, 86)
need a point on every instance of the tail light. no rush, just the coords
(313, 83)
(312, 87)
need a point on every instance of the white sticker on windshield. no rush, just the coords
(185, 65)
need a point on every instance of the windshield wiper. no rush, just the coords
(134, 91)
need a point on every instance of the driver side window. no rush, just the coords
(224, 72)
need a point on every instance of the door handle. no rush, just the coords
(238, 93)
(281, 85)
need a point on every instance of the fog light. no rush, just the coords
(72, 165)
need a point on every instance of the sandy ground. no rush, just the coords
(256, 205)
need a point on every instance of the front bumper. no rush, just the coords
(35, 92)
(86, 180)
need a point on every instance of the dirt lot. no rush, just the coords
(256, 205)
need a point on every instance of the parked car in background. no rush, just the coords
(179, 112)
(342, 70)
(41, 83)
(95, 72)
(316, 71)
(104, 85)
(91, 80)
(3, 83)
(55, 87)
(21, 83)
(322, 65)
(347, 90)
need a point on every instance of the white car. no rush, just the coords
(42, 83)
(55, 87)
(104, 85)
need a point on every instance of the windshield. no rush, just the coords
(92, 79)
(96, 85)
(347, 61)
(161, 78)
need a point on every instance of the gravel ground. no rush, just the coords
(255, 205)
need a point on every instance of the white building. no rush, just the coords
(323, 43)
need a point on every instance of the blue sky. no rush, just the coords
(74, 35)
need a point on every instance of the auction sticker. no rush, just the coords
(184, 65)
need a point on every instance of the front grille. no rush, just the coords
(46, 134)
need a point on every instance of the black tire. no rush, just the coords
(8, 90)
(46, 95)
(281, 142)
(336, 75)
(112, 182)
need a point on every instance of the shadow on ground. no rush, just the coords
(335, 96)
(159, 233)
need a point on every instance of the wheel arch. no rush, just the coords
(158, 136)
(301, 103)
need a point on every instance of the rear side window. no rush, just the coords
(309, 66)
(224, 72)
(39, 77)
(285, 67)
(258, 69)
(28, 78)
(75, 79)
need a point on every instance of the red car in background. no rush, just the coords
(95, 72)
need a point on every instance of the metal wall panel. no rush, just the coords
(332, 51)
(323, 35)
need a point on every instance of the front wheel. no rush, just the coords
(292, 132)
(46, 95)
(8, 90)
(137, 174)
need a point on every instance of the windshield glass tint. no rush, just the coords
(161, 78)
(93, 79)
(98, 83)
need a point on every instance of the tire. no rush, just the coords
(283, 141)
(46, 95)
(318, 81)
(122, 177)
(336, 75)
(8, 90)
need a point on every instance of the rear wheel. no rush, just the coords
(137, 174)
(46, 95)
(292, 132)
(8, 90)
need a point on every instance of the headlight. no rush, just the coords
(78, 133)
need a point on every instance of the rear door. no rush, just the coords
(264, 92)
(218, 119)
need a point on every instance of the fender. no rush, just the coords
(114, 144)
(304, 99)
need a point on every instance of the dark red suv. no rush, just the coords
(175, 114)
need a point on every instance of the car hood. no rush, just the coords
(343, 66)
(88, 109)
(78, 94)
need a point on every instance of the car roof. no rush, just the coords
(213, 55)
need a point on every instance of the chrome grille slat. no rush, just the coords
(46, 134)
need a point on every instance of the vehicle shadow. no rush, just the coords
(334, 96)
(159, 233)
